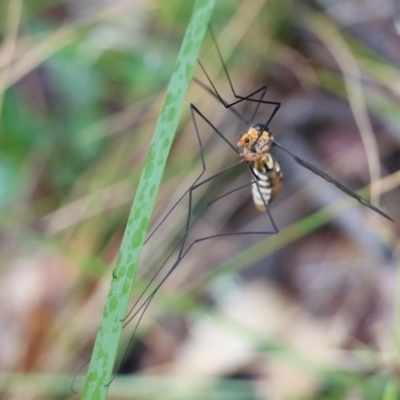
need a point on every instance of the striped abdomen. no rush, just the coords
(269, 183)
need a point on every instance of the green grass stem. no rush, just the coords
(105, 349)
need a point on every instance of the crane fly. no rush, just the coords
(184, 244)
(254, 147)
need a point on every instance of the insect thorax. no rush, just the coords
(255, 144)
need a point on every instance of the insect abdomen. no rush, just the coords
(269, 183)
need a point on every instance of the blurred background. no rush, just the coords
(309, 313)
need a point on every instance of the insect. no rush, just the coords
(255, 144)
(188, 238)
(252, 148)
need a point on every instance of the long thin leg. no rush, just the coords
(213, 91)
(139, 310)
(141, 304)
(262, 91)
(183, 252)
(196, 184)
(239, 98)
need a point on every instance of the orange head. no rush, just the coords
(254, 144)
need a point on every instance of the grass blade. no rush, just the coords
(105, 349)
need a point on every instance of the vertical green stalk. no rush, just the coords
(105, 349)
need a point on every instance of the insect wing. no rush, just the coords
(328, 178)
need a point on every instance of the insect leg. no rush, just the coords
(194, 186)
(139, 310)
(239, 98)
